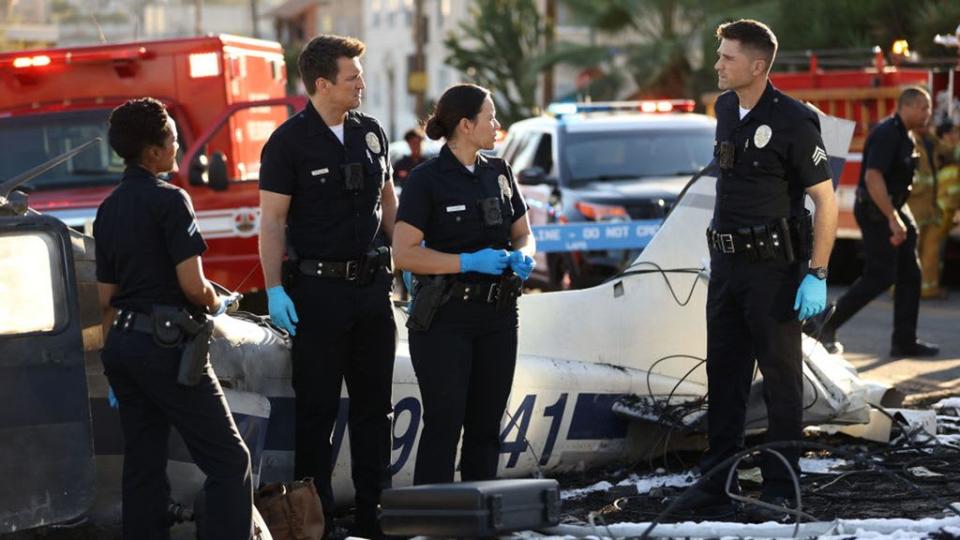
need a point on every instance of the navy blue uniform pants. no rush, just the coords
(464, 364)
(750, 318)
(885, 265)
(346, 333)
(144, 379)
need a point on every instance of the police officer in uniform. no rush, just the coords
(889, 231)
(401, 169)
(325, 190)
(765, 275)
(150, 281)
(462, 229)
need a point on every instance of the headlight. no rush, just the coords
(26, 285)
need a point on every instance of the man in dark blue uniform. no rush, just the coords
(889, 231)
(325, 190)
(151, 287)
(765, 275)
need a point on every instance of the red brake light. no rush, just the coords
(31, 61)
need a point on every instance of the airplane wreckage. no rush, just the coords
(602, 373)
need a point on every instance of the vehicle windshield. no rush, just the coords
(29, 141)
(628, 155)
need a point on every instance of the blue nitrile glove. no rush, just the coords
(282, 312)
(112, 398)
(521, 264)
(485, 261)
(811, 297)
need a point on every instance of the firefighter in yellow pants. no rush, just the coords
(934, 204)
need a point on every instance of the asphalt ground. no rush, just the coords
(866, 341)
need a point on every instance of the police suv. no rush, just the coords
(604, 161)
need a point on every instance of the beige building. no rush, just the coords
(296, 21)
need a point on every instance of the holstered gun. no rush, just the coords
(511, 287)
(372, 262)
(173, 327)
(430, 292)
(193, 361)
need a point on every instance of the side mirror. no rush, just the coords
(217, 172)
(198, 170)
(535, 175)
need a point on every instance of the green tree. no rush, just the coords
(670, 40)
(501, 46)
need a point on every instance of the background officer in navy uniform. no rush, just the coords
(770, 153)
(888, 228)
(148, 254)
(325, 190)
(462, 216)
(403, 166)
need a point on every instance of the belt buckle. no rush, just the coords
(352, 270)
(493, 293)
(726, 243)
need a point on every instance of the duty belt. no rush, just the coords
(742, 241)
(128, 320)
(501, 292)
(348, 270)
(786, 240)
(362, 271)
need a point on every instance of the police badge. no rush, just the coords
(762, 136)
(505, 188)
(373, 142)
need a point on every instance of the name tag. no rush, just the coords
(318, 172)
(458, 208)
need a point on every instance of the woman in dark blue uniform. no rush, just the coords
(149, 274)
(462, 229)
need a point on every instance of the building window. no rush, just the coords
(375, 7)
(443, 11)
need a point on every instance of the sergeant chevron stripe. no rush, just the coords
(819, 155)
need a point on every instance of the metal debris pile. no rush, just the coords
(915, 475)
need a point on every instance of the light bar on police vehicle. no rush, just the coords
(645, 106)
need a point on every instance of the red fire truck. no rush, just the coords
(862, 86)
(226, 93)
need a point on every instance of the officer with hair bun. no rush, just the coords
(463, 231)
(150, 281)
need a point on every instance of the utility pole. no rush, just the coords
(417, 81)
(254, 15)
(549, 35)
(198, 17)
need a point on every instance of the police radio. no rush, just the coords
(353, 177)
(725, 156)
(490, 211)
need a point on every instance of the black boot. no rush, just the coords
(917, 349)
(704, 501)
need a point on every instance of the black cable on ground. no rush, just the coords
(864, 459)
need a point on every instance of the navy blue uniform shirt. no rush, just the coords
(442, 199)
(143, 230)
(890, 150)
(304, 159)
(778, 154)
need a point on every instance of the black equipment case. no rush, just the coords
(470, 509)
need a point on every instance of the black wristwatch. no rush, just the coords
(819, 271)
